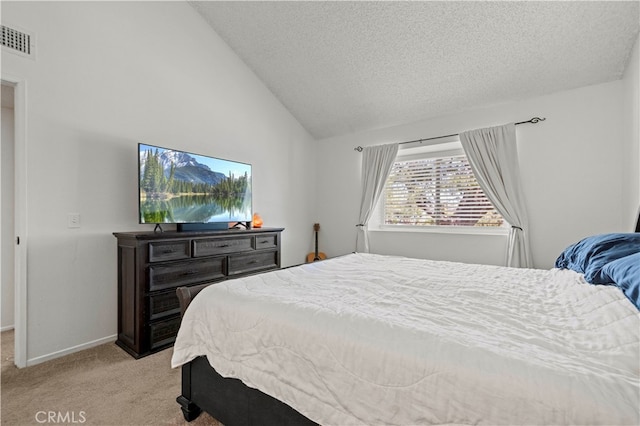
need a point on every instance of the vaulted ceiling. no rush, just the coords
(347, 66)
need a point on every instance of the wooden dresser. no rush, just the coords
(152, 265)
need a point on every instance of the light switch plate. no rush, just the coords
(73, 220)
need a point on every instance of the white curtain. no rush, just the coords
(493, 155)
(376, 166)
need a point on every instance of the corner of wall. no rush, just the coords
(631, 108)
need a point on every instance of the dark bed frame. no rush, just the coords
(229, 400)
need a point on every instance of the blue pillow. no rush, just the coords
(590, 254)
(625, 273)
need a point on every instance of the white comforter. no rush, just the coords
(379, 340)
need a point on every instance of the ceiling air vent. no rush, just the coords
(17, 41)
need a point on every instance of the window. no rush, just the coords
(436, 189)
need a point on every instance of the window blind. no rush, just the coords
(439, 191)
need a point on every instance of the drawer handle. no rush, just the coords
(168, 251)
(264, 242)
(191, 272)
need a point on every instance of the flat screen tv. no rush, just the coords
(197, 192)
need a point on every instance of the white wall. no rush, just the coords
(6, 156)
(570, 165)
(107, 76)
(631, 128)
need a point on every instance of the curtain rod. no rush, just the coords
(533, 120)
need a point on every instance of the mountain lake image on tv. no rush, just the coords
(181, 187)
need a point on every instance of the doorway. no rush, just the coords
(7, 223)
(13, 312)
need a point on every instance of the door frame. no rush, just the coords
(20, 216)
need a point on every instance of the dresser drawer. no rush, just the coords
(169, 250)
(250, 262)
(163, 333)
(266, 241)
(184, 273)
(216, 246)
(163, 304)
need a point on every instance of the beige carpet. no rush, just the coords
(99, 386)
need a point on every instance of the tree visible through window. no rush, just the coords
(437, 192)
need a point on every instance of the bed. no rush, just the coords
(366, 339)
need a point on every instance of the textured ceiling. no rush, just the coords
(342, 67)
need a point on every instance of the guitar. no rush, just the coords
(317, 255)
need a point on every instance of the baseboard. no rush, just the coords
(6, 328)
(58, 354)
